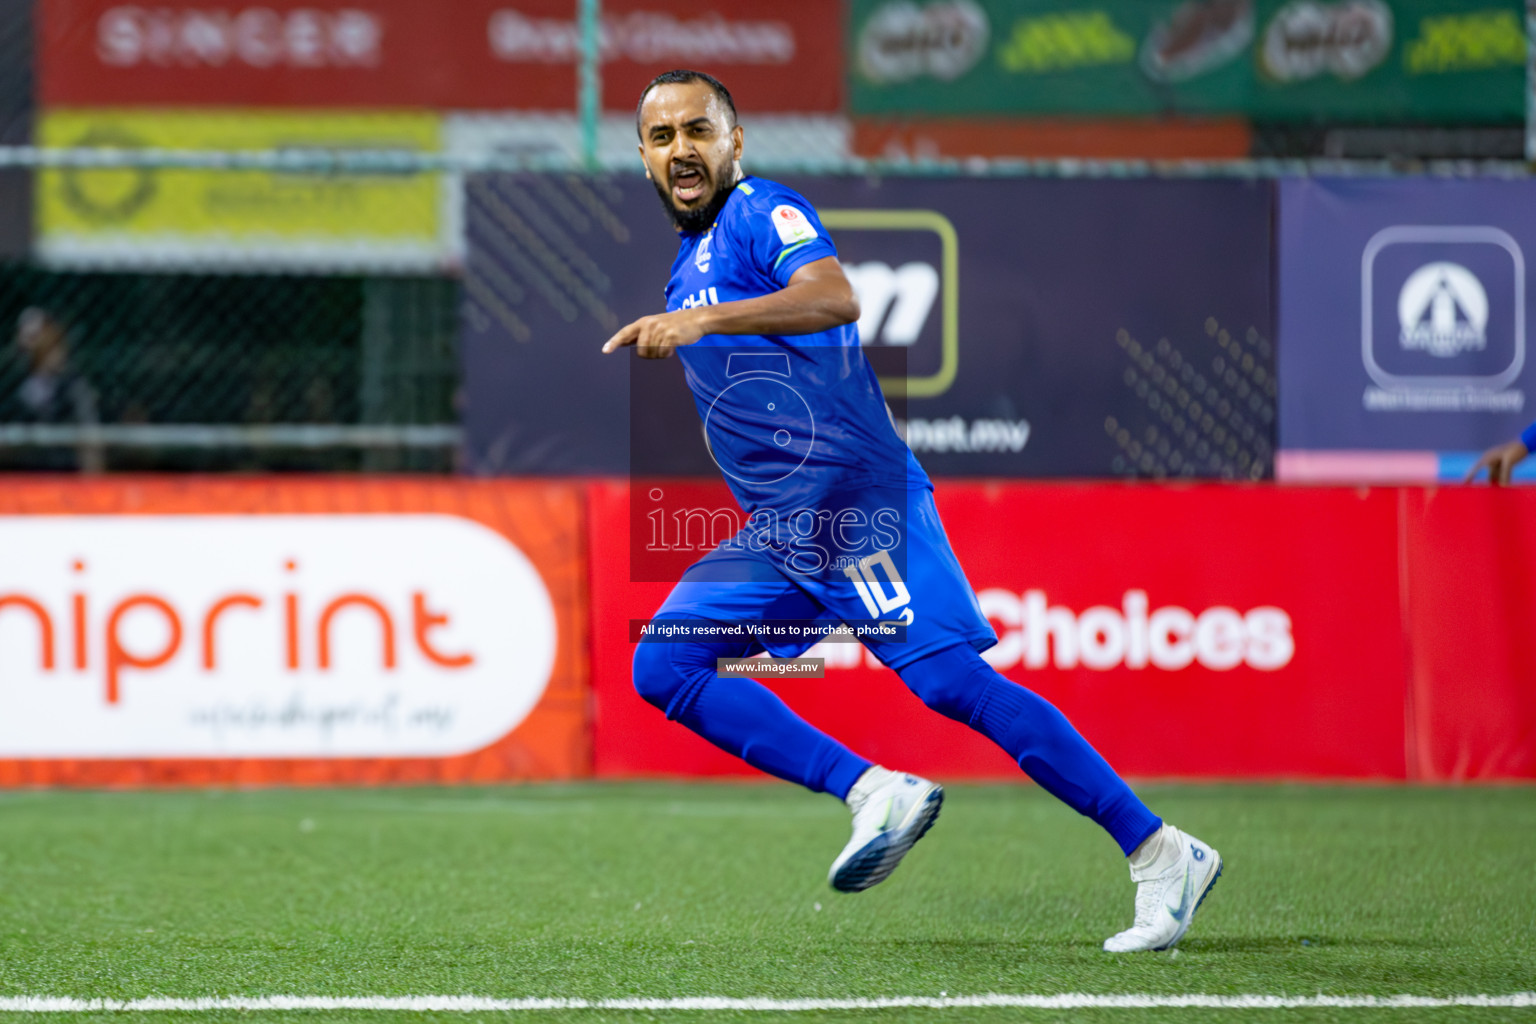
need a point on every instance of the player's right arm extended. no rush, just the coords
(818, 297)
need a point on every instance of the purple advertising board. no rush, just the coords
(1048, 328)
(1402, 324)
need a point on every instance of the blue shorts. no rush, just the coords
(917, 581)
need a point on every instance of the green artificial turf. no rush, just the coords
(658, 890)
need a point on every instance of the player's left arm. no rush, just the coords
(818, 297)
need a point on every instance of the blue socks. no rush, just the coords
(958, 684)
(744, 718)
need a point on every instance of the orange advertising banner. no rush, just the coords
(291, 632)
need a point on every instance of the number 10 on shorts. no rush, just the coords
(872, 589)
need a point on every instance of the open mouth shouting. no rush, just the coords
(688, 183)
(693, 192)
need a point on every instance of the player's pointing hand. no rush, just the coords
(655, 337)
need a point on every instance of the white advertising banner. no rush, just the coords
(278, 636)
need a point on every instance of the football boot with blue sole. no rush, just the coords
(891, 812)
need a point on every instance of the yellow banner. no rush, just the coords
(241, 215)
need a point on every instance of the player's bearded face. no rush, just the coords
(704, 187)
(690, 150)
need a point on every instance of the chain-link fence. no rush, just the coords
(299, 309)
(233, 236)
(135, 370)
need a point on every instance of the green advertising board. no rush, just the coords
(1431, 61)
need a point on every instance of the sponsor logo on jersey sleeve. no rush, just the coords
(792, 225)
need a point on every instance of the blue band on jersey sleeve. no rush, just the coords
(1528, 438)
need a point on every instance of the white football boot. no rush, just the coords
(891, 811)
(1173, 877)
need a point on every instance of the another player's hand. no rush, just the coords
(1500, 461)
(655, 337)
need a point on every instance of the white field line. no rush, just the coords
(480, 1004)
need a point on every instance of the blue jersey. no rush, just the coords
(795, 422)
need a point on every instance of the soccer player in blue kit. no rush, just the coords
(764, 321)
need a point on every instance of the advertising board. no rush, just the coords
(1205, 631)
(1299, 60)
(244, 218)
(1047, 327)
(1197, 631)
(467, 55)
(1470, 588)
(268, 632)
(324, 631)
(1402, 323)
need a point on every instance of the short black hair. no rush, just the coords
(682, 76)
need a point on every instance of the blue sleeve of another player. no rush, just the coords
(1529, 438)
(784, 237)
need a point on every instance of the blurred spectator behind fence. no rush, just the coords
(52, 392)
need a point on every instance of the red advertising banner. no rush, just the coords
(1469, 594)
(1202, 631)
(215, 631)
(467, 55)
(250, 632)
